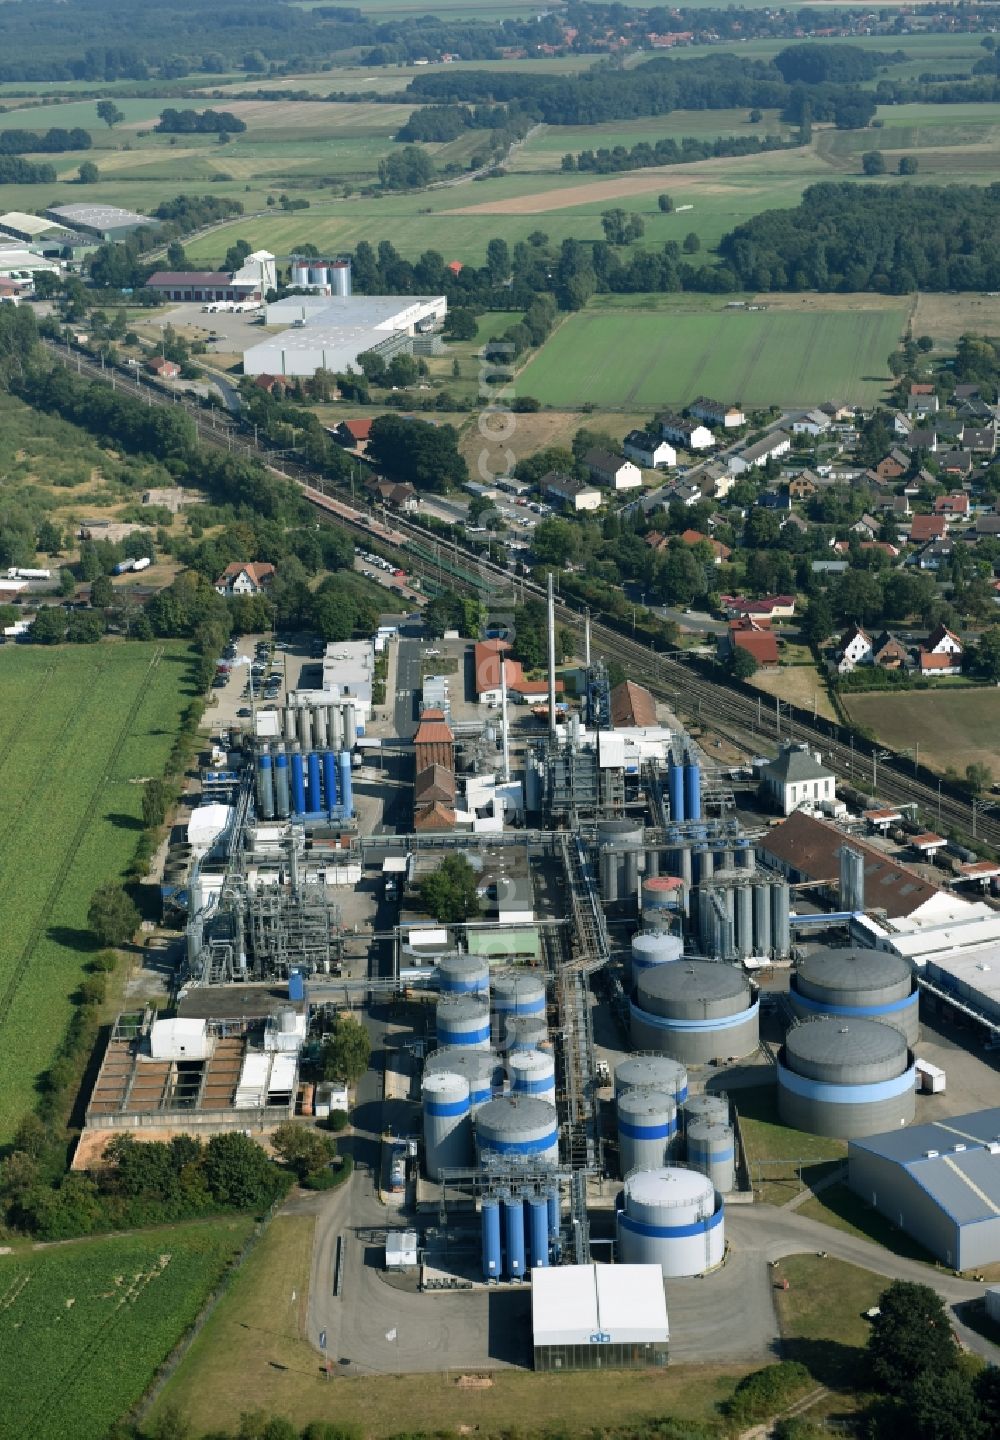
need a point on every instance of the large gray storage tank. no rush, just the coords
(713, 1108)
(651, 1072)
(846, 1078)
(519, 1127)
(481, 1068)
(524, 1032)
(647, 1130)
(711, 1148)
(447, 1123)
(621, 856)
(463, 1020)
(696, 1011)
(673, 1218)
(517, 992)
(857, 984)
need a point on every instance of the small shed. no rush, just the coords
(179, 1040)
(401, 1249)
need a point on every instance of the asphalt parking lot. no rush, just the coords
(235, 332)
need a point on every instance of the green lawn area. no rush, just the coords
(80, 726)
(254, 1344)
(770, 357)
(86, 1324)
(776, 1153)
(820, 1315)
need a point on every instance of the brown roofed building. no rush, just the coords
(632, 705)
(804, 848)
(927, 527)
(434, 783)
(434, 817)
(434, 743)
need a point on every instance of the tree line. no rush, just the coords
(50, 142)
(15, 171)
(643, 156)
(199, 122)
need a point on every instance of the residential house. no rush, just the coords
(730, 417)
(967, 392)
(720, 552)
(898, 506)
(487, 656)
(956, 462)
(768, 448)
(688, 492)
(854, 649)
(942, 641)
(758, 640)
(607, 469)
(934, 554)
(400, 495)
(867, 525)
(575, 495)
(983, 442)
(893, 466)
(797, 777)
(837, 413)
(774, 500)
(803, 486)
(976, 410)
(162, 368)
(952, 505)
(273, 384)
(901, 424)
(689, 433)
(657, 541)
(812, 422)
(245, 579)
(922, 400)
(922, 439)
(713, 479)
(927, 527)
(769, 607)
(932, 665)
(830, 567)
(354, 434)
(888, 652)
(645, 450)
(794, 521)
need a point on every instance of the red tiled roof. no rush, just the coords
(189, 277)
(928, 661)
(928, 527)
(434, 817)
(258, 570)
(432, 732)
(358, 429)
(632, 704)
(761, 644)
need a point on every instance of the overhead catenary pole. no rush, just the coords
(552, 659)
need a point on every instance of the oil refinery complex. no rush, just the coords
(555, 1097)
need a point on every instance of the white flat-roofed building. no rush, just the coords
(331, 332)
(23, 226)
(952, 943)
(587, 1317)
(349, 670)
(108, 222)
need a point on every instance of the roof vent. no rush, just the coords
(993, 1147)
(957, 1149)
(930, 1154)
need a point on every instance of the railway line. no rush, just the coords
(718, 708)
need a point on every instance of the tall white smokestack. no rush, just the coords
(586, 639)
(503, 719)
(552, 660)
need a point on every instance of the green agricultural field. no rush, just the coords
(86, 1325)
(81, 726)
(636, 359)
(950, 727)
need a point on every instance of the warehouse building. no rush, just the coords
(331, 332)
(107, 222)
(938, 1182)
(247, 285)
(597, 1317)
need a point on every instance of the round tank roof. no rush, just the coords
(658, 944)
(618, 827)
(710, 1132)
(513, 1114)
(459, 964)
(644, 1103)
(446, 1082)
(483, 1065)
(849, 969)
(689, 979)
(830, 1048)
(530, 1061)
(668, 1186)
(651, 1071)
(665, 884)
(462, 1007)
(521, 984)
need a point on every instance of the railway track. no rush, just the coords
(718, 708)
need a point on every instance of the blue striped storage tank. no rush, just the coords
(552, 1197)
(517, 992)
(692, 788)
(513, 1225)
(315, 801)
(329, 779)
(281, 795)
(537, 1217)
(492, 1249)
(532, 1072)
(463, 1020)
(463, 975)
(519, 1125)
(298, 784)
(675, 790)
(265, 786)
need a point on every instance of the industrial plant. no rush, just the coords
(561, 1065)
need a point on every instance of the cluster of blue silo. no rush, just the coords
(684, 788)
(303, 786)
(520, 1231)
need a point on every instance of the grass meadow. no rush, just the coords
(81, 727)
(86, 1324)
(952, 727)
(631, 358)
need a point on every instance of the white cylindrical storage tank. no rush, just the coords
(519, 1126)
(463, 975)
(846, 1078)
(335, 727)
(318, 273)
(762, 919)
(300, 274)
(614, 839)
(447, 1123)
(672, 1218)
(305, 729)
(319, 727)
(652, 1072)
(713, 1108)
(857, 985)
(647, 1130)
(696, 1011)
(481, 1068)
(517, 992)
(651, 948)
(350, 715)
(532, 1072)
(524, 1032)
(781, 935)
(744, 922)
(340, 277)
(463, 1020)
(711, 1148)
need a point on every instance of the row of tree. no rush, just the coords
(668, 151)
(200, 122)
(48, 142)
